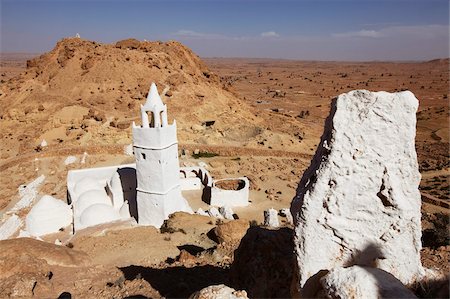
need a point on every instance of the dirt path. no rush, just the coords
(119, 149)
(434, 173)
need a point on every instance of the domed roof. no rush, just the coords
(97, 214)
(47, 216)
(88, 183)
(90, 198)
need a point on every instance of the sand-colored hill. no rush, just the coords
(86, 93)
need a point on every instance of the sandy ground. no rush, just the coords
(289, 101)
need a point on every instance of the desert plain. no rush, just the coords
(267, 118)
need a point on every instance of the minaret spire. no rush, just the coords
(153, 99)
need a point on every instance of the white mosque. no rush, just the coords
(142, 193)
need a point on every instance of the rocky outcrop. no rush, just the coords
(231, 232)
(363, 282)
(220, 291)
(35, 269)
(358, 202)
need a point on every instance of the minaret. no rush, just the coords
(157, 168)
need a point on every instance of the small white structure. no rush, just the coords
(155, 147)
(214, 212)
(287, 213)
(226, 212)
(201, 212)
(70, 160)
(48, 216)
(231, 198)
(271, 218)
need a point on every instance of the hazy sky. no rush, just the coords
(315, 29)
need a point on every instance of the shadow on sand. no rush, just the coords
(178, 282)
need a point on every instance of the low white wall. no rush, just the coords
(194, 178)
(230, 198)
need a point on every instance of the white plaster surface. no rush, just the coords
(358, 202)
(28, 193)
(10, 226)
(155, 147)
(70, 160)
(89, 198)
(287, 213)
(362, 282)
(214, 212)
(271, 218)
(83, 158)
(231, 198)
(194, 178)
(88, 183)
(102, 185)
(201, 212)
(226, 212)
(97, 214)
(47, 216)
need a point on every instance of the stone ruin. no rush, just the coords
(358, 203)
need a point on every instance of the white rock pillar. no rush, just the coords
(271, 218)
(157, 168)
(358, 203)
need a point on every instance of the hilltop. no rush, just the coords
(87, 93)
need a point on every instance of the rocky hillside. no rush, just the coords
(83, 92)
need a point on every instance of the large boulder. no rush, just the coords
(231, 232)
(363, 282)
(358, 202)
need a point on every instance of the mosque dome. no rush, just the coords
(48, 216)
(98, 213)
(88, 183)
(91, 197)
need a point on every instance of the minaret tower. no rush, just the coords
(157, 168)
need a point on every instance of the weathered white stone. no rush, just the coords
(271, 218)
(226, 212)
(201, 212)
(358, 202)
(47, 216)
(214, 212)
(363, 282)
(83, 159)
(44, 143)
(220, 291)
(70, 160)
(10, 227)
(287, 213)
(28, 194)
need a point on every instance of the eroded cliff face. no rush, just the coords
(359, 203)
